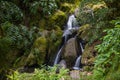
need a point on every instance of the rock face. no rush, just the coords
(70, 53)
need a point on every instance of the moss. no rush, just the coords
(88, 57)
(36, 56)
(59, 32)
(66, 7)
(4, 52)
(53, 42)
(40, 43)
(87, 68)
(58, 19)
(69, 8)
(83, 31)
(38, 52)
(42, 23)
(98, 6)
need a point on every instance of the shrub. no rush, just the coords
(108, 59)
(41, 74)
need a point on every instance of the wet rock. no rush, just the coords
(62, 64)
(70, 53)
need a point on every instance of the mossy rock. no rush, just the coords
(83, 31)
(36, 55)
(40, 43)
(38, 52)
(88, 57)
(69, 8)
(53, 41)
(66, 7)
(59, 19)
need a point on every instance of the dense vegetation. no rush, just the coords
(43, 74)
(30, 31)
(101, 20)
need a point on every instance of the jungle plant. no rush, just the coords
(93, 13)
(108, 59)
(41, 74)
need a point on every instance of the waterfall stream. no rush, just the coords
(66, 32)
(70, 28)
(81, 47)
(77, 65)
(58, 56)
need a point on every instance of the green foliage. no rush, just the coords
(108, 58)
(20, 36)
(16, 40)
(39, 50)
(10, 12)
(17, 31)
(4, 49)
(41, 74)
(93, 13)
(48, 7)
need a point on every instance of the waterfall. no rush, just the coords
(71, 27)
(81, 47)
(78, 60)
(58, 56)
(77, 63)
(66, 32)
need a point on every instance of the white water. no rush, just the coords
(66, 32)
(78, 60)
(81, 47)
(77, 63)
(58, 56)
(71, 25)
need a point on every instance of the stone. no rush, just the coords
(62, 64)
(70, 53)
(75, 74)
(70, 48)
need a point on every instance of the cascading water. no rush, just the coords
(66, 32)
(71, 27)
(77, 63)
(78, 60)
(81, 47)
(57, 59)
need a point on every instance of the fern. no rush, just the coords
(108, 58)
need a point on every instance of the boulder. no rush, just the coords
(62, 64)
(38, 52)
(70, 53)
